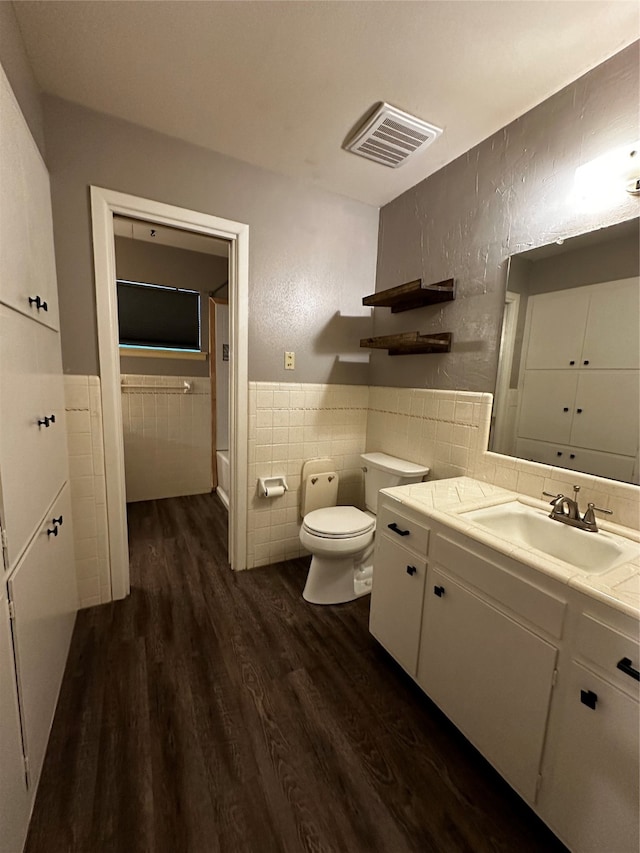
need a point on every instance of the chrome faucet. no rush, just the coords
(567, 511)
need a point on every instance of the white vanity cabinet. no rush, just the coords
(540, 676)
(590, 791)
(398, 585)
(487, 657)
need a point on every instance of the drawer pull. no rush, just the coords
(439, 591)
(39, 303)
(411, 570)
(46, 421)
(393, 526)
(52, 531)
(57, 521)
(625, 666)
(589, 698)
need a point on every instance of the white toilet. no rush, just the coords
(340, 538)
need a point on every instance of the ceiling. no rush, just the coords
(281, 84)
(150, 232)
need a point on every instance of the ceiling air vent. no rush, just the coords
(390, 135)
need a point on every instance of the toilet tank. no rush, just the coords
(383, 471)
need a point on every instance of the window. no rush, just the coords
(150, 315)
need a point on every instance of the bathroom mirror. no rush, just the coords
(569, 370)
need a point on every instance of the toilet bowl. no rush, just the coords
(341, 538)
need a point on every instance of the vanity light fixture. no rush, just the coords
(633, 186)
(602, 182)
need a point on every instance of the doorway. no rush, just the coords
(104, 205)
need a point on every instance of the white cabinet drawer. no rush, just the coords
(524, 599)
(396, 601)
(615, 653)
(44, 596)
(33, 457)
(609, 465)
(26, 230)
(400, 525)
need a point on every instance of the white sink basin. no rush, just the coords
(532, 528)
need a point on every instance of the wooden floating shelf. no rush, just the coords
(413, 294)
(410, 343)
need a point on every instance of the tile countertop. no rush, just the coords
(445, 500)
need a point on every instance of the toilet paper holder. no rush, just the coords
(272, 487)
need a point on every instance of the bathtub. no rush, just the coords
(222, 465)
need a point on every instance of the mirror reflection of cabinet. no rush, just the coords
(579, 379)
(573, 344)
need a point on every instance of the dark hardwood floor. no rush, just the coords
(218, 711)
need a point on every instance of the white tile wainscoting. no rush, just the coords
(289, 423)
(445, 430)
(167, 436)
(88, 494)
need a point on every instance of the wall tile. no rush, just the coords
(88, 495)
(167, 436)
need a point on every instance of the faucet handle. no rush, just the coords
(592, 507)
(589, 518)
(551, 495)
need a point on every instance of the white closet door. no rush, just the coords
(14, 797)
(33, 458)
(612, 337)
(44, 595)
(547, 405)
(26, 229)
(610, 402)
(556, 329)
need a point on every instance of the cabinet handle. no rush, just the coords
(39, 303)
(625, 666)
(439, 591)
(572, 362)
(565, 408)
(47, 420)
(57, 521)
(411, 570)
(579, 411)
(586, 361)
(589, 698)
(393, 526)
(52, 531)
(558, 453)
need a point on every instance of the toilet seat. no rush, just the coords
(338, 522)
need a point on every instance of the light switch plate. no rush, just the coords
(289, 361)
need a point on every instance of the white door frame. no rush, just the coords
(104, 204)
(501, 435)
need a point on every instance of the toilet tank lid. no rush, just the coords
(393, 465)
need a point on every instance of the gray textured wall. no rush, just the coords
(312, 254)
(141, 260)
(510, 193)
(18, 70)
